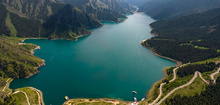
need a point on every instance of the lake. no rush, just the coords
(110, 62)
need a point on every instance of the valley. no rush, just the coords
(99, 51)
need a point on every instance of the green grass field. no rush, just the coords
(100, 101)
(195, 88)
(21, 98)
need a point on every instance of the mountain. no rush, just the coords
(117, 6)
(36, 18)
(69, 22)
(188, 39)
(168, 9)
(105, 10)
(34, 9)
(138, 3)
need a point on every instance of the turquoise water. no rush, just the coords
(109, 63)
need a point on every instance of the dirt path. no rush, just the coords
(161, 85)
(213, 74)
(24, 94)
(194, 77)
(40, 95)
(182, 86)
(7, 85)
(158, 97)
(200, 75)
(114, 102)
(174, 72)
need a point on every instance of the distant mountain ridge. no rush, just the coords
(105, 10)
(138, 3)
(168, 9)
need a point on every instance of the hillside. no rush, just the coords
(138, 3)
(105, 10)
(187, 39)
(34, 9)
(16, 60)
(69, 22)
(167, 9)
(118, 6)
(209, 96)
(28, 20)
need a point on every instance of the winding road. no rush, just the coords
(24, 94)
(7, 84)
(200, 75)
(194, 77)
(161, 85)
(213, 74)
(39, 93)
(40, 96)
(182, 86)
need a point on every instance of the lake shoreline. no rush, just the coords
(152, 50)
(165, 69)
(90, 34)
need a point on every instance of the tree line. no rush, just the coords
(192, 68)
(208, 97)
(179, 38)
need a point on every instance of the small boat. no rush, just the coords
(135, 99)
(66, 98)
(134, 92)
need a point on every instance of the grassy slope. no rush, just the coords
(154, 91)
(10, 26)
(195, 88)
(21, 98)
(16, 60)
(99, 101)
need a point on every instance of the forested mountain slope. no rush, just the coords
(117, 6)
(69, 22)
(35, 18)
(138, 3)
(167, 9)
(106, 10)
(34, 9)
(188, 39)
